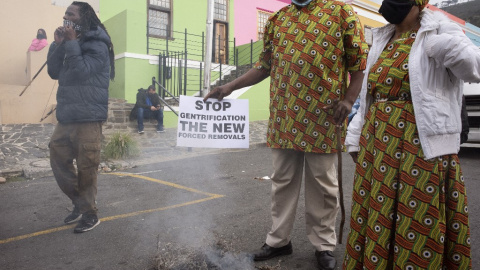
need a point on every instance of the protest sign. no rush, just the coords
(213, 123)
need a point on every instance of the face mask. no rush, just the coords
(395, 11)
(76, 27)
(41, 36)
(300, 3)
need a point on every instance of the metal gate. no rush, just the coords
(172, 73)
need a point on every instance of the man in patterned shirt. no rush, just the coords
(310, 47)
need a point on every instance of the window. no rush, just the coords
(220, 10)
(262, 18)
(160, 18)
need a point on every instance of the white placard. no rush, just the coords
(213, 124)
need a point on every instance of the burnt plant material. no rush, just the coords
(218, 256)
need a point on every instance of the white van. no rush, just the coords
(471, 91)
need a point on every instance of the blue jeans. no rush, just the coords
(149, 114)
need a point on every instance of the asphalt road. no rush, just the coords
(200, 205)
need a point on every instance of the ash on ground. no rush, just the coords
(217, 256)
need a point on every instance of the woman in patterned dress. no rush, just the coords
(409, 203)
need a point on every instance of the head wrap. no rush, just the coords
(421, 4)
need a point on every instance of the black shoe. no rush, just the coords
(326, 260)
(87, 223)
(267, 252)
(73, 217)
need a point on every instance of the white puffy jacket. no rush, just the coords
(441, 58)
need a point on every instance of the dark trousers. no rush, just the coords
(149, 114)
(80, 142)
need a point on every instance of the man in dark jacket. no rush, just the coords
(148, 106)
(82, 60)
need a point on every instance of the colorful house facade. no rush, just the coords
(152, 38)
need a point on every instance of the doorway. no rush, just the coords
(220, 35)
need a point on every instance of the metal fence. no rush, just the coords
(181, 61)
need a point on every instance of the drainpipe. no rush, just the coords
(208, 49)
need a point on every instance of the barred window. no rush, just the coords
(160, 18)
(161, 3)
(220, 10)
(262, 18)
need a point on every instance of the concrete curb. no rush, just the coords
(24, 152)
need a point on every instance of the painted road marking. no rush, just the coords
(210, 196)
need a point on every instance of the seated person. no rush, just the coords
(147, 107)
(39, 42)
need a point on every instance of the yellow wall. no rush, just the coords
(19, 22)
(369, 22)
(367, 12)
(28, 108)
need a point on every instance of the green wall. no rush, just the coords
(126, 22)
(117, 86)
(190, 16)
(245, 50)
(130, 18)
(116, 28)
(258, 100)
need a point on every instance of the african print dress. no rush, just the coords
(407, 212)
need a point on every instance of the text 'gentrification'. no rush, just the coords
(215, 124)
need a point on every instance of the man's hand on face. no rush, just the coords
(59, 34)
(70, 33)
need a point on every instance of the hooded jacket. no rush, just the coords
(142, 102)
(82, 68)
(440, 60)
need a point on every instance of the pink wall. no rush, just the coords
(246, 17)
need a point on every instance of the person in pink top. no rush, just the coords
(40, 42)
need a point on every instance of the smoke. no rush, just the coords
(226, 260)
(191, 241)
(172, 256)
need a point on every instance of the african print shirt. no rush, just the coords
(307, 52)
(388, 78)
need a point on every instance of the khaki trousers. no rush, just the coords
(79, 141)
(321, 203)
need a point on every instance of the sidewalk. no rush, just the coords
(24, 148)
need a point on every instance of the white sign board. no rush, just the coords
(213, 124)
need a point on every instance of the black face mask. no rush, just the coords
(75, 26)
(395, 11)
(41, 36)
(301, 3)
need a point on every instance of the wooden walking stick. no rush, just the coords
(35, 76)
(40, 70)
(338, 130)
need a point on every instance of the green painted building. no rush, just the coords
(165, 39)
